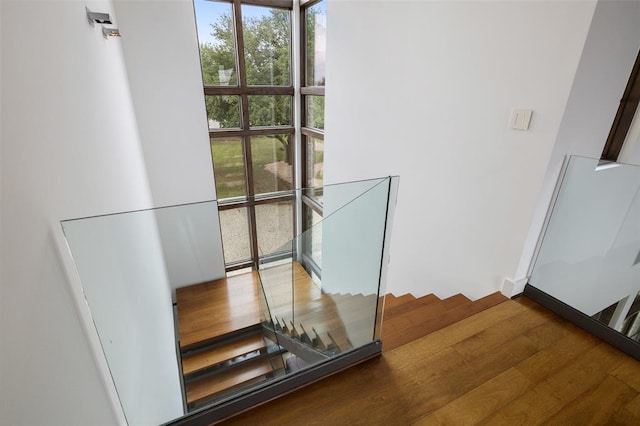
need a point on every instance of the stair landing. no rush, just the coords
(213, 309)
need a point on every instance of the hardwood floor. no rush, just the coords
(212, 309)
(514, 363)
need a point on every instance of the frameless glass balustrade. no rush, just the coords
(324, 297)
(589, 257)
(186, 343)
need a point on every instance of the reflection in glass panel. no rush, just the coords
(589, 254)
(275, 227)
(223, 112)
(315, 111)
(313, 242)
(271, 163)
(316, 43)
(228, 167)
(267, 45)
(267, 110)
(631, 324)
(315, 162)
(217, 42)
(235, 234)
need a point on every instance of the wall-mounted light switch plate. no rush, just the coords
(520, 119)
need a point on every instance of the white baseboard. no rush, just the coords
(511, 287)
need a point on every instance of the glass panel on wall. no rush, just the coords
(235, 234)
(274, 223)
(217, 42)
(267, 45)
(223, 112)
(272, 170)
(267, 110)
(589, 255)
(316, 43)
(315, 112)
(315, 162)
(228, 167)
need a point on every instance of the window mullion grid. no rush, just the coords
(245, 133)
(303, 101)
(246, 139)
(306, 89)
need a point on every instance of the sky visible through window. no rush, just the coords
(208, 11)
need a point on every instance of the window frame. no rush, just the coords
(309, 199)
(243, 90)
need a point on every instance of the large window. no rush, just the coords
(247, 70)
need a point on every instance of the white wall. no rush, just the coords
(352, 237)
(424, 90)
(191, 243)
(609, 53)
(163, 65)
(72, 146)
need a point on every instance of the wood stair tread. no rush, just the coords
(401, 330)
(410, 305)
(455, 301)
(214, 308)
(416, 316)
(215, 383)
(392, 301)
(221, 353)
(489, 301)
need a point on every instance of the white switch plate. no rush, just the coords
(520, 119)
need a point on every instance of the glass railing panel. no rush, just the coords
(590, 255)
(353, 238)
(274, 349)
(325, 295)
(133, 267)
(122, 266)
(146, 274)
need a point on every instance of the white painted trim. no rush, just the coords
(511, 287)
(86, 320)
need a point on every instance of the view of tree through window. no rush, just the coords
(246, 57)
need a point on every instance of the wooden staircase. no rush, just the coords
(227, 342)
(407, 318)
(222, 344)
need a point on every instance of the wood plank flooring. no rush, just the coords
(207, 386)
(212, 309)
(218, 354)
(514, 363)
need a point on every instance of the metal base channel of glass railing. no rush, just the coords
(587, 323)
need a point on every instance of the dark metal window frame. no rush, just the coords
(308, 200)
(624, 115)
(243, 90)
(306, 90)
